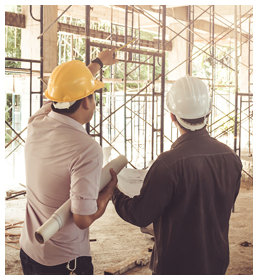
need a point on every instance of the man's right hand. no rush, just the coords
(107, 57)
(110, 187)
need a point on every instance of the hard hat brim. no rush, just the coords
(97, 85)
(192, 127)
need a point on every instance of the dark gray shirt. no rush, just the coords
(188, 195)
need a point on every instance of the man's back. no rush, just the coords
(188, 194)
(192, 233)
(60, 160)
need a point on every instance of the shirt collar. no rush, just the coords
(66, 120)
(190, 136)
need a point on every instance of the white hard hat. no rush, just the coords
(188, 98)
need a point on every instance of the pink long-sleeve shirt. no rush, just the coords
(62, 161)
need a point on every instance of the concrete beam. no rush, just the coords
(106, 36)
(222, 10)
(15, 19)
(99, 13)
(205, 26)
(220, 40)
(181, 13)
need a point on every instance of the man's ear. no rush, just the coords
(173, 117)
(85, 103)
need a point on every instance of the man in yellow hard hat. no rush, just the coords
(62, 161)
(188, 192)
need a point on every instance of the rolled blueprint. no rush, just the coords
(63, 214)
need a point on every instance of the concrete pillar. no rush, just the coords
(178, 53)
(243, 83)
(30, 45)
(50, 38)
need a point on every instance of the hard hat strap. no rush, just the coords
(192, 127)
(63, 105)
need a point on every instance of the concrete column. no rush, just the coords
(243, 69)
(50, 38)
(178, 53)
(30, 45)
(243, 83)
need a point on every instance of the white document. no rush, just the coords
(130, 181)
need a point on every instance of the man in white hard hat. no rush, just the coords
(62, 161)
(188, 192)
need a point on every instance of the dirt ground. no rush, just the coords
(117, 240)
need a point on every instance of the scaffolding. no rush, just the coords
(133, 120)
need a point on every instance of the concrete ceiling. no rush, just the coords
(146, 16)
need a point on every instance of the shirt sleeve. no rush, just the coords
(85, 180)
(44, 110)
(156, 192)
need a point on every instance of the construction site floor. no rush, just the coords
(117, 242)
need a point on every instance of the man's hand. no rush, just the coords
(110, 187)
(107, 57)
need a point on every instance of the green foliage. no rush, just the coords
(13, 8)
(13, 39)
(12, 45)
(8, 116)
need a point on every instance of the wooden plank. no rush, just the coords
(14, 19)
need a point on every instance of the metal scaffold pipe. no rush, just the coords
(236, 78)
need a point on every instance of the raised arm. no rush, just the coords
(106, 58)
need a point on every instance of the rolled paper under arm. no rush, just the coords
(63, 214)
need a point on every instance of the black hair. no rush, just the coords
(72, 108)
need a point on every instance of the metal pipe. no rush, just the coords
(87, 45)
(236, 79)
(18, 134)
(101, 108)
(163, 77)
(41, 54)
(240, 126)
(71, 54)
(32, 15)
(189, 38)
(60, 47)
(249, 80)
(146, 14)
(22, 60)
(240, 27)
(15, 138)
(145, 130)
(159, 36)
(231, 127)
(178, 34)
(228, 26)
(30, 89)
(152, 115)
(213, 64)
(42, 33)
(125, 71)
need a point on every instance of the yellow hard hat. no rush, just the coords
(71, 81)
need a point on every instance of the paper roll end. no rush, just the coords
(39, 237)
